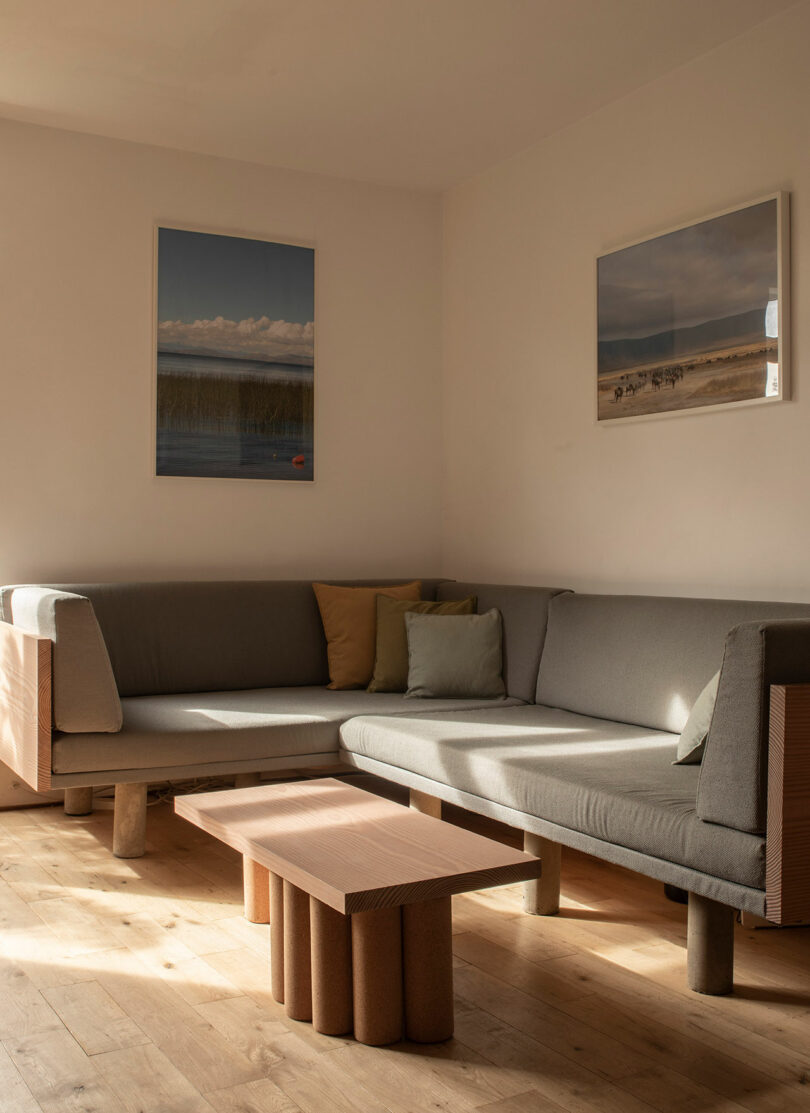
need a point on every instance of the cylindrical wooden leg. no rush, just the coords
(427, 956)
(78, 801)
(331, 969)
(377, 975)
(277, 937)
(425, 803)
(541, 897)
(297, 961)
(129, 821)
(257, 891)
(710, 946)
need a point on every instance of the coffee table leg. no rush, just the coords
(377, 975)
(297, 962)
(277, 937)
(428, 970)
(257, 891)
(331, 969)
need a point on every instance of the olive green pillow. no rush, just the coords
(391, 660)
(456, 656)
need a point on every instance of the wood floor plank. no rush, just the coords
(253, 1097)
(529, 1102)
(188, 1040)
(144, 1079)
(15, 1097)
(249, 1027)
(530, 1065)
(94, 1020)
(23, 1009)
(60, 1076)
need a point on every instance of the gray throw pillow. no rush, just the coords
(692, 742)
(455, 655)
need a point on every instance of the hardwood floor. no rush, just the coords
(137, 987)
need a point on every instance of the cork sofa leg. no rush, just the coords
(542, 896)
(710, 946)
(129, 821)
(425, 803)
(78, 801)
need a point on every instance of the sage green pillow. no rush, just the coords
(455, 655)
(391, 659)
(692, 742)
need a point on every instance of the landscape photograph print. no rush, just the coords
(692, 318)
(235, 357)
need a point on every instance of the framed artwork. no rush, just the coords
(234, 357)
(696, 317)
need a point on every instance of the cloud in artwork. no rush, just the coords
(252, 338)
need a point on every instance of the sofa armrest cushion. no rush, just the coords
(85, 696)
(732, 788)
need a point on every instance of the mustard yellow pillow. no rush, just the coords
(391, 659)
(349, 616)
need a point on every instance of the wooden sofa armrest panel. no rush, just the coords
(25, 705)
(787, 867)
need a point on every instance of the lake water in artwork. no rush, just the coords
(233, 418)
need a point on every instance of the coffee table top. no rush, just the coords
(351, 849)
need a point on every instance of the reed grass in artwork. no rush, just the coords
(235, 392)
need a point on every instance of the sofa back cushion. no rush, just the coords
(640, 659)
(525, 613)
(213, 636)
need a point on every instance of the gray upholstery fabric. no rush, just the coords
(525, 613)
(196, 729)
(732, 789)
(85, 697)
(692, 741)
(640, 659)
(455, 655)
(213, 636)
(607, 780)
(724, 892)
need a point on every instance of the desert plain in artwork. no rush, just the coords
(691, 318)
(235, 357)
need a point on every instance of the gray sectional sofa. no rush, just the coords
(156, 681)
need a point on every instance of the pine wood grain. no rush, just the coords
(351, 849)
(25, 705)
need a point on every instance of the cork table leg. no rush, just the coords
(427, 954)
(257, 891)
(277, 937)
(377, 975)
(297, 962)
(331, 969)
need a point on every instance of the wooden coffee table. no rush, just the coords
(357, 892)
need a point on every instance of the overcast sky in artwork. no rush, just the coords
(238, 297)
(705, 272)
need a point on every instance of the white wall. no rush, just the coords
(79, 496)
(534, 490)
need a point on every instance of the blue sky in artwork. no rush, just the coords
(235, 298)
(202, 276)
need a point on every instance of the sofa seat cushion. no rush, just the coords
(200, 728)
(608, 780)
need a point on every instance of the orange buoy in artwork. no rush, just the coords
(298, 461)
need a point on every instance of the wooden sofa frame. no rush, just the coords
(25, 746)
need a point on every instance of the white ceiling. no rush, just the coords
(417, 93)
